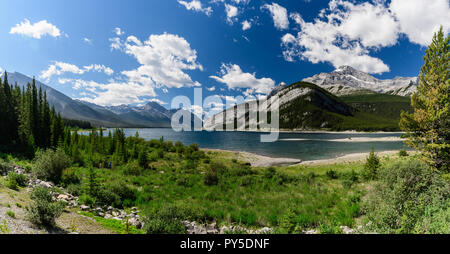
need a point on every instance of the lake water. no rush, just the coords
(308, 146)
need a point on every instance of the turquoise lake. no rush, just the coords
(307, 146)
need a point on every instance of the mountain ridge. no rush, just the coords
(346, 80)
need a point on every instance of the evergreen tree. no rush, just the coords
(428, 127)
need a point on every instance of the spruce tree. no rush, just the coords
(428, 127)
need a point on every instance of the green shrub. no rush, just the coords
(371, 167)
(105, 197)
(168, 219)
(49, 164)
(86, 199)
(403, 153)
(70, 177)
(74, 189)
(121, 193)
(211, 175)
(332, 174)
(350, 178)
(5, 167)
(269, 172)
(132, 168)
(11, 214)
(143, 158)
(44, 211)
(410, 197)
(16, 180)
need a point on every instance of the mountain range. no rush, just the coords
(150, 115)
(346, 80)
(345, 99)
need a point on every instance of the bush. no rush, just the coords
(269, 172)
(120, 193)
(86, 199)
(43, 211)
(16, 180)
(168, 219)
(74, 189)
(403, 153)
(5, 167)
(211, 175)
(332, 174)
(49, 164)
(350, 178)
(70, 177)
(132, 168)
(371, 166)
(409, 198)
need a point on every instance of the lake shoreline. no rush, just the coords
(257, 160)
(280, 131)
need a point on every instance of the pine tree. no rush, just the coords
(428, 127)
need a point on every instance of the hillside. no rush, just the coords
(306, 106)
(69, 108)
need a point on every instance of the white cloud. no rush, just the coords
(420, 19)
(115, 43)
(196, 5)
(211, 89)
(158, 101)
(113, 93)
(118, 31)
(246, 25)
(36, 30)
(1, 71)
(344, 35)
(87, 40)
(234, 78)
(232, 12)
(279, 15)
(164, 59)
(59, 68)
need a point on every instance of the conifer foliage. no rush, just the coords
(26, 120)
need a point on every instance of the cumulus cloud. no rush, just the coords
(279, 15)
(246, 25)
(420, 19)
(163, 59)
(211, 89)
(59, 68)
(196, 5)
(36, 30)
(343, 35)
(118, 31)
(346, 33)
(232, 12)
(112, 93)
(87, 40)
(235, 78)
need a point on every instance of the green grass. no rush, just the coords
(243, 195)
(114, 225)
(11, 214)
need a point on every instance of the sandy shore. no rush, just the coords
(364, 139)
(347, 158)
(257, 160)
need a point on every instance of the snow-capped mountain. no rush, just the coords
(346, 80)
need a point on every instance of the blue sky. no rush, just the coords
(130, 52)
